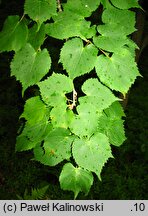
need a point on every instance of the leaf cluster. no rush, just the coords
(81, 128)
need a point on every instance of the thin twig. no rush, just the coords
(59, 6)
(22, 17)
(74, 100)
(105, 53)
(74, 97)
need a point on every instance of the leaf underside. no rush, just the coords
(75, 179)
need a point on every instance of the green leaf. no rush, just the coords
(110, 44)
(36, 37)
(34, 110)
(106, 3)
(111, 124)
(29, 66)
(126, 4)
(131, 46)
(57, 147)
(116, 16)
(98, 97)
(86, 122)
(77, 59)
(61, 116)
(113, 18)
(54, 88)
(40, 10)
(119, 71)
(36, 193)
(115, 111)
(73, 26)
(113, 44)
(82, 8)
(112, 39)
(37, 126)
(97, 94)
(75, 179)
(53, 92)
(13, 35)
(91, 154)
(23, 143)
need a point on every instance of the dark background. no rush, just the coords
(125, 177)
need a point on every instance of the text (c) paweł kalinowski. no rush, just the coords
(61, 207)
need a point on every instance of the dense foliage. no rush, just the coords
(61, 124)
